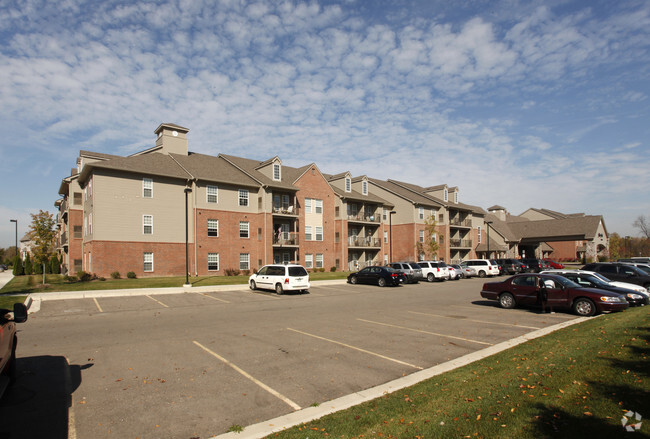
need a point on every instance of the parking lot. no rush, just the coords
(195, 364)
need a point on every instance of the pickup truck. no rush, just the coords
(8, 342)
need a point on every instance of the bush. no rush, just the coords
(18, 267)
(332, 269)
(116, 275)
(28, 265)
(603, 259)
(55, 265)
(130, 275)
(83, 276)
(69, 278)
(232, 272)
(246, 272)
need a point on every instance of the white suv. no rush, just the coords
(483, 267)
(278, 277)
(434, 270)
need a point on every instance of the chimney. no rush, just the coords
(172, 138)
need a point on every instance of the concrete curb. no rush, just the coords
(271, 426)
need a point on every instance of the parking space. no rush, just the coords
(202, 362)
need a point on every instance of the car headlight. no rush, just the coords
(610, 299)
(634, 296)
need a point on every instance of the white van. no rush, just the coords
(483, 267)
(278, 277)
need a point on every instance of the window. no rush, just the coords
(479, 234)
(90, 223)
(243, 229)
(385, 214)
(309, 260)
(364, 187)
(348, 184)
(77, 265)
(319, 233)
(243, 197)
(319, 260)
(308, 205)
(213, 227)
(78, 232)
(385, 237)
(85, 225)
(319, 206)
(456, 197)
(148, 261)
(147, 224)
(446, 195)
(77, 198)
(308, 233)
(213, 261)
(276, 171)
(421, 212)
(147, 188)
(421, 235)
(244, 261)
(212, 194)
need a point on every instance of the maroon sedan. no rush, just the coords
(531, 289)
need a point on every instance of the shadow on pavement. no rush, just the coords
(37, 405)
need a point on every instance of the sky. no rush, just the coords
(523, 104)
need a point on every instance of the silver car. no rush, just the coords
(411, 270)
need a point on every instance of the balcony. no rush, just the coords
(286, 240)
(288, 210)
(460, 243)
(363, 218)
(460, 223)
(363, 241)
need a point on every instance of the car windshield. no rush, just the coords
(603, 278)
(391, 270)
(644, 268)
(297, 271)
(565, 282)
(415, 266)
(595, 279)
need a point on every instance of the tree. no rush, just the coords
(430, 245)
(18, 266)
(643, 224)
(55, 265)
(29, 268)
(43, 235)
(616, 246)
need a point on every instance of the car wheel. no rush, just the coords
(481, 273)
(430, 277)
(507, 300)
(278, 289)
(381, 282)
(584, 307)
(253, 285)
(353, 280)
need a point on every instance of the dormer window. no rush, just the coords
(277, 176)
(348, 184)
(446, 195)
(456, 197)
(364, 187)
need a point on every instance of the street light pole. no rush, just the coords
(187, 251)
(488, 238)
(390, 231)
(16, 221)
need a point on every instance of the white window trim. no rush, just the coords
(247, 228)
(446, 195)
(147, 183)
(309, 260)
(348, 184)
(240, 198)
(320, 260)
(309, 235)
(364, 187)
(421, 212)
(145, 224)
(316, 233)
(278, 167)
(217, 260)
(144, 262)
(318, 205)
(217, 228)
(479, 234)
(308, 204)
(207, 194)
(245, 258)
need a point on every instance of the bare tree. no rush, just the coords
(643, 224)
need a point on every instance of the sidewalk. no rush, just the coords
(5, 277)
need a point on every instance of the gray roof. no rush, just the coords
(405, 193)
(583, 227)
(214, 169)
(149, 164)
(250, 167)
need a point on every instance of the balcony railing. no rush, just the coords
(465, 243)
(363, 241)
(459, 222)
(286, 239)
(285, 210)
(365, 218)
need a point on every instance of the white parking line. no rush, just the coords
(211, 297)
(159, 302)
(564, 317)
(477, 321)
(97, 304)
(357, 349)
(427, 332)
(292, 404)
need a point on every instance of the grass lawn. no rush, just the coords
(56, 282)
(577, 382)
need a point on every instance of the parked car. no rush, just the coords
(525, 290)
(639, 259)
(591, 281)
(620, 272)
(553, 264)
(534, 265)
(377, 275)
(454, 273)
(434, 270)
(412, 271)
(626, 285)
(499, 266)
(468, 270)
(510, 266)
(8, 343)
(460, 271)
(483, 267)
(643, 267)
(280, 278)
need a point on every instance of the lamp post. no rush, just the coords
(16, 221)
(187, 251)
(390, 232)
(488, 238)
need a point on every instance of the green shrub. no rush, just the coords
(332, 269)
(29, 269)
(232, 272)
(55, 265)
(246, 272)
(70, 279)
(116, 275)
(130, 275)
(18, 267)
(37, 268)
(83, 276)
